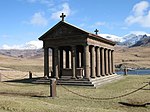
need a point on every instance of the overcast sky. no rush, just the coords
(23, 21)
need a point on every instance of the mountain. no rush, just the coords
(144, 41)
(129, 40)
(112, 37)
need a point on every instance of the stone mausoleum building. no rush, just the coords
(78, 57)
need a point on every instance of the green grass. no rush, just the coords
(21, 98)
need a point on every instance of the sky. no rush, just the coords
(22, 22)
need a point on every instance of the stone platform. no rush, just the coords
(92, 82)
(95, 82)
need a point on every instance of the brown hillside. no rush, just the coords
(135, 57)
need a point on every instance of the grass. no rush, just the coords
(34, 98)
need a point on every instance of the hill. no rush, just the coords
(133, 57)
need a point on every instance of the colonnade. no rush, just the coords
(96, 61)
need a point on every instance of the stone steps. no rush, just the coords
(92, 82)
(105, 80)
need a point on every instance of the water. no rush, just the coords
(135, 72)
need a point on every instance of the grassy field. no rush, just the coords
(23, 97)
(19, 97)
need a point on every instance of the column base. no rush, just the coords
(73, 78)
(93, 77)
(88, 79)
(56, 77)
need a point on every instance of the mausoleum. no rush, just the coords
(77, 55)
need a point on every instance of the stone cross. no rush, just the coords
(62, 16)
(96, 31)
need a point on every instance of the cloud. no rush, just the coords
(29, 45)
(141, 14)
(38, 19)
(100, 23)
(44, 2)
(64, 9)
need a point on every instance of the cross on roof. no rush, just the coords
(96, 31)
(62, 16)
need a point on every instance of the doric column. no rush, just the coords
(93, 62)
(64, 59)
(53, 73)
(102, 62)
(106, 61)
(70, 62)
(73, 61)
(80, 62)
(98, 62)
(46, 62)
(112, 58)
(56, 66)
(86, 62)
(110, 63)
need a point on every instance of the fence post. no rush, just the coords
(53, 87)
(125, 71)
(30, 75)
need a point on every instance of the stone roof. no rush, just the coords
(82, 32)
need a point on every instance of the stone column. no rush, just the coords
(59, 66)
(53, 73)
(46, 62)
(112, 58)
(98, 62)
(80, 62)
(56, 66)
(70, 60)
(73, 61)
(110, 63)
(64, 59)
(86, 62)
(102, 62)
(106, 61)
(93, 63)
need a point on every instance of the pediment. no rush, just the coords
(64, 31)
(61, 30)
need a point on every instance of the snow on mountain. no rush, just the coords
(112, 37)
(131, 39)
(28, 45)
(144, 41)
(127, 40)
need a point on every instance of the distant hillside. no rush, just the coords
(34, 53)
(133, 57)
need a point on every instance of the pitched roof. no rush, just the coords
(79, 29)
